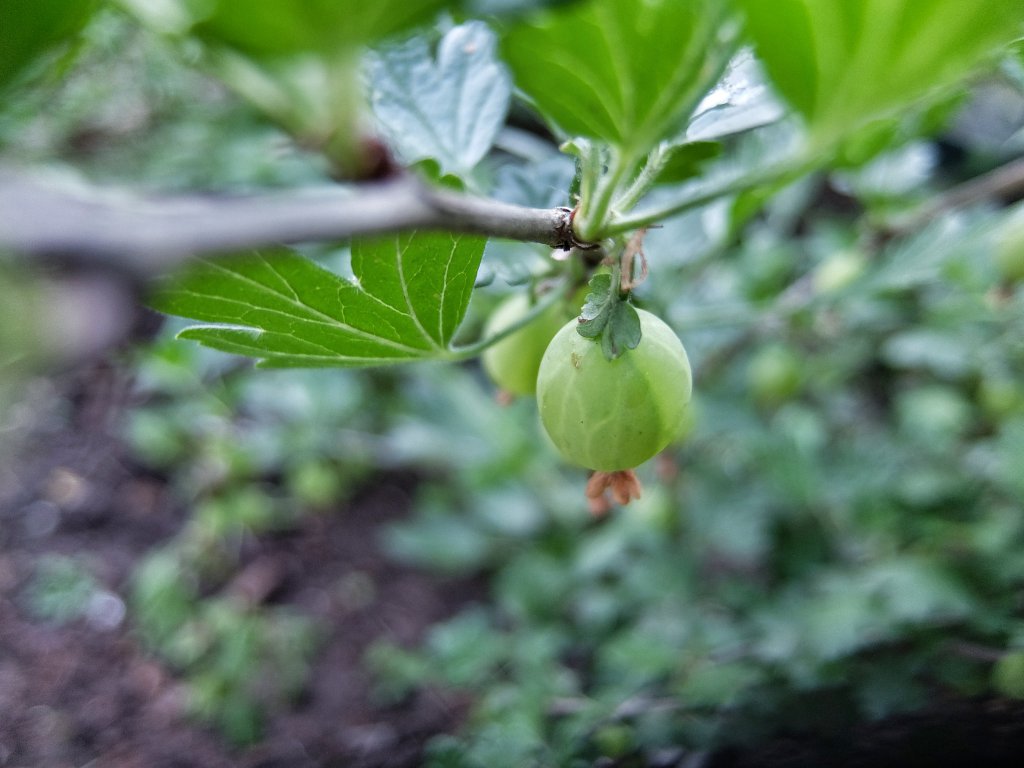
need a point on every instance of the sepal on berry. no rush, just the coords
(608, 318)
(622, 487)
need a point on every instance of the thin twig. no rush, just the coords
(1005, 181)
(975, 651)
(142, 236)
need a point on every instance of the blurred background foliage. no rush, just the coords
(839, 537)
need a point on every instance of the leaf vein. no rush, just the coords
(324, 320)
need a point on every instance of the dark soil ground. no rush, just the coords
(961, 733)
(88, 694)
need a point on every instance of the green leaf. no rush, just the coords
(596, 307)
(408, 299)
(844, 63)
(685, 161)
(450, 109)
(606, 317)
(508, 7)
(622, 331)
(626, 72)
(742, 101)
(1008, 675)
(539, 184)
(284, 27)
(431, 170)
(30, 28)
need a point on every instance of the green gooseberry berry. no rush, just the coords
(612, 415)
(775, 375)
(512, 363)
(838, 271)
(1000, 397)
(1008, 675)
(1009, 246)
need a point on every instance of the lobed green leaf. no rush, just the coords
(596, 307)
(449, 109)
(409, 297)
(31, 28)
(845, 63)
(741, 101)
(626, 72)
(622, 331)
(685, 161)
(606, 318)
(285, 27)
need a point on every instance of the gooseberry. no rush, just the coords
(1000, 397)
(1008, 675)
(612, 415)
(614, 740)
(512, 363)
(935, 414)
(775, 374)
(1009, 247)
(838, 271)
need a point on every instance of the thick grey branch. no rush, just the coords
(145, 235)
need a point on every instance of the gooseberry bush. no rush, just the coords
(533, 183)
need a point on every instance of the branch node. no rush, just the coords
(566, 236)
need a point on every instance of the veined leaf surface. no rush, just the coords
(449, 109)
(409, 297)
(626, 71)
(844, 63)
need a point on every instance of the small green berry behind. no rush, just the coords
(513, 362)
(775, 375)
(613, 415)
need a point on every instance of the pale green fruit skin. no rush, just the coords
(774, 375)
(513, 362)
(1008, 675)
(838, 272)
(1000, 397)
(1009, 247)
(612, 415)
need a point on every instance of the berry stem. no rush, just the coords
(551, 298)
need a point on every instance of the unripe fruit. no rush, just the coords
(1008, 675)
(315, 483)
(611, 415)
(1000, 397)
(512, 363)
(614, 740)
(1009, 247)
(934, 414)
(774, 375)
(838, 271)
